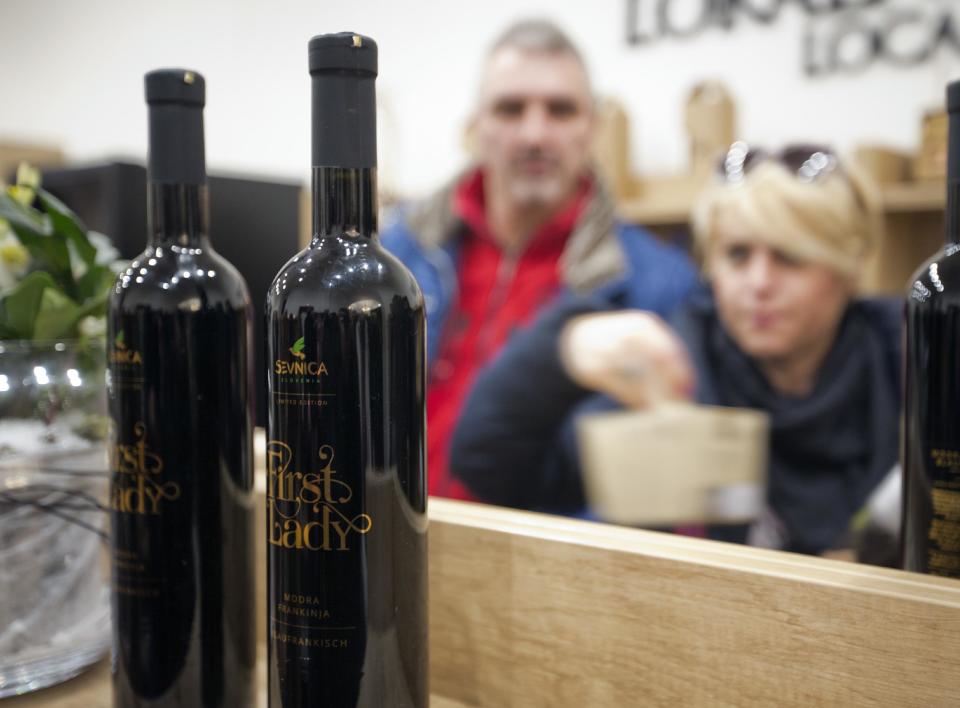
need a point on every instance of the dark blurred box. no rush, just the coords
(254, 224)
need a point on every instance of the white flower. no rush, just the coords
(7, 279)
(28, 175)
(106, 253)
(28, 181)
(93, 326)
(14, 260)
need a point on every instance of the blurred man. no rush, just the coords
(529, 221)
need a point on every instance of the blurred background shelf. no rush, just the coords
(663, 207)
(907, 197)
(656, 212)
(911, 210)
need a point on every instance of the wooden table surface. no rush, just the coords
(91, 689)
(534, 610)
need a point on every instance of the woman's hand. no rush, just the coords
(632, 356)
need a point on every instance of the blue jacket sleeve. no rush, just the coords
(434, 270)
(514, 443)
(507, 447)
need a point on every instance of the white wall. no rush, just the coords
(71, 74)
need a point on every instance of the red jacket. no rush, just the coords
(498, 292)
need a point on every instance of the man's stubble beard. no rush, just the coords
(548, 192)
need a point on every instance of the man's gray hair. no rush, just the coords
(537, 35)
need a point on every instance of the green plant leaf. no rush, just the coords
(94, 290)
(57, 316)
(7, 332)
(51, 252)
(95, 282)
(65, 222)
(35, 232)
(96, 306)
(25, 217)
(22, 303)
(67, 284)
(298, 346)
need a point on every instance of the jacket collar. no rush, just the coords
(593, 254)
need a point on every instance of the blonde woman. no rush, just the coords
(777, 327)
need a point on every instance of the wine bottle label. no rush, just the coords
(345, 485)
(305, 511)
(153, 567)
(126, 364)
(181, 501)
(943, 536)
(316, 521)
(298, 382)
(138, 487)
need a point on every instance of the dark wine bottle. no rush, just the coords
(179, 385)
(346, 487)
(931, 433)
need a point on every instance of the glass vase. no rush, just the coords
(54, 608)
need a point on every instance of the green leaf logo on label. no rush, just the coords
(299, 366)
(297, 349)
(121, 353)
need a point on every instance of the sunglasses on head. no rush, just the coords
(808, 162)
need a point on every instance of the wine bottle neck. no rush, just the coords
(344, 202)
(953, 179)
(953, 213)
(179, 215)
(177, 175)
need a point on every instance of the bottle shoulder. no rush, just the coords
(937, 281)
(178, 279)
(335, 272)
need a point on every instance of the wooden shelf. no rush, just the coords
(649, 212)
(914, 197)
(667, 209)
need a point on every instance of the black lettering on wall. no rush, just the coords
(763, 11)
(848, 37)
(854, 47)
(900, 43)
(672, 23)
(638, 32)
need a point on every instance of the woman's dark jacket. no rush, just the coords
(515, 443)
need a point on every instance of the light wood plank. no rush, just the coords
(530, 610)
(910, 239)
(12, 153)
(663, 204)
(914, 197)
(92, 690)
